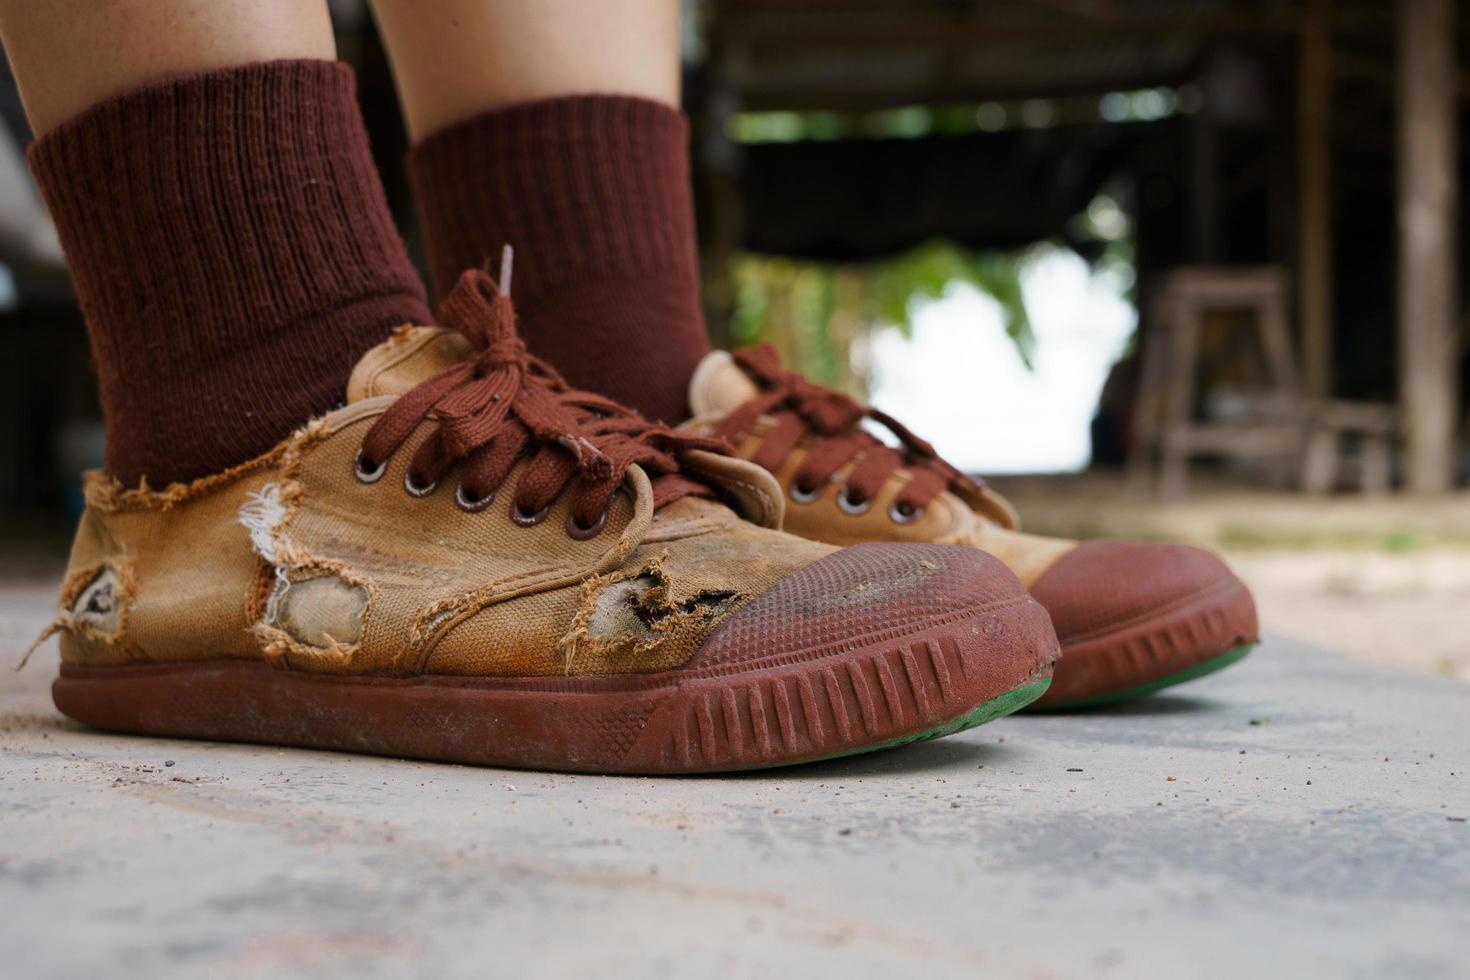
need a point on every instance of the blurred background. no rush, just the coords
(1160, 268)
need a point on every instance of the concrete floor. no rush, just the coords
(1299, 815)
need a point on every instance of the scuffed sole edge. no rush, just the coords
(992, 710)
(863, 697)
(1203, 668)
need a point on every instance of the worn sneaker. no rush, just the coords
(471, 562)
(1132, 617)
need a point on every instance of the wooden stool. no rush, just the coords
(1374, 424)
(1273, 428)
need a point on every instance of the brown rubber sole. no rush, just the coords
(1167, 647)
(902, 689)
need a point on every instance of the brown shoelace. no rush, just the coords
(801, 408)
(505, 406)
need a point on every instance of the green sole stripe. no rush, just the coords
(1204, 667)
(998, 707)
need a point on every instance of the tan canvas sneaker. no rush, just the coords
(470, 562)
(1132, 617)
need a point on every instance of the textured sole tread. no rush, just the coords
(1201, 669)
(1149, 654)
(854, 700)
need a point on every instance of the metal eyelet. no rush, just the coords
(472, 505)
(898, 516)
(365, 475)
(581, 533)
(803, 496)
(414, 489)
(846, 504)
(527, 520)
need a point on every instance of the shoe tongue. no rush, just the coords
(411, 355)
(718, 385)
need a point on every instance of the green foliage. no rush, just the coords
(902, 285)
(813, 311)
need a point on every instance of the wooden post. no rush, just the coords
(1428, 196)
(722, 228)
(1314, 180)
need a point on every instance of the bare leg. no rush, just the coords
(456, 58)
(70, 54)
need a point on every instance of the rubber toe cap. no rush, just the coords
(1101, 586)
(870, 593)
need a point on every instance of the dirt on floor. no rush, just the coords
(1383, 579)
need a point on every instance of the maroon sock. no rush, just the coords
(593, 193)
(233, 253)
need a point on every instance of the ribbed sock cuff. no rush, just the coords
(233, 253)
(594, 194)
(586, 186)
